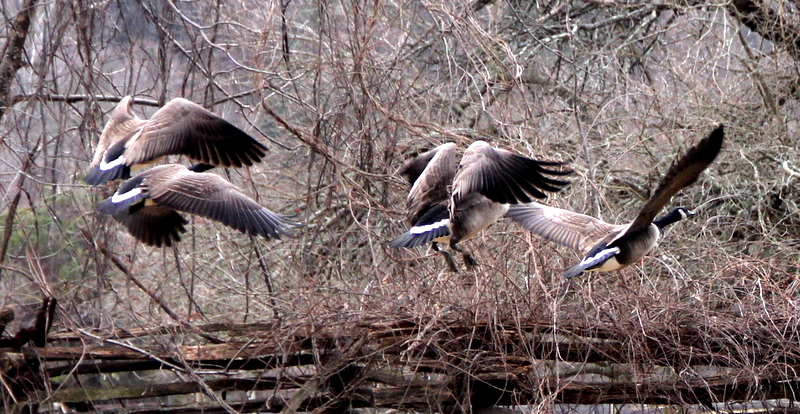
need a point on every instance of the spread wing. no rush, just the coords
(183, 127)
(432, 185)
(505, 177)
(681, 175)
(576, 231)
(210, 195)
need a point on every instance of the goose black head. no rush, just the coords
(674, 216)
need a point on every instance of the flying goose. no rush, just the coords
(453, 198)
(180, 127)
(148, 205)
(608, 247)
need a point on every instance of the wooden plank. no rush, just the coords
(106, 366)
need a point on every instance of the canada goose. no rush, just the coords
(608, 247)
(180, 127)
(484, 182)
(148, 205)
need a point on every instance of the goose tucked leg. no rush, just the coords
(447, 256)
(469, 261)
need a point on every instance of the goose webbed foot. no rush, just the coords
(451, 263)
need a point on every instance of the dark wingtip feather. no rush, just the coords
(713, 143)
(273, 225)
(413, 167)
(705, 151)
(523, 180)
(249, 153)
(104, 207)
(167, 238)
(260, 149)
(154, 226)
(98, 176)
(700, 156)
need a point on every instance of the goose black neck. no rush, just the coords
(673, 216)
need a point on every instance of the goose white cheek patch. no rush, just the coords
(119, 198)
(429, 227)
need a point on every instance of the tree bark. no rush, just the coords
(12, 52)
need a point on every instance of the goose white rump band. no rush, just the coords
(118, 198)
(605, 256)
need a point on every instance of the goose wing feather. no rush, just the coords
(576, 231)
(153, 225)
(414, 167)
(681, 175)
(432, 185)
(505, 177)
(186, 128)
(211, 196)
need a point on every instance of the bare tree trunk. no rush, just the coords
(12, 53)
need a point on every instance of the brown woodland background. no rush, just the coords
(342, 92)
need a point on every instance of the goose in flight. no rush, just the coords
(455, 197)
(148, 205)
(180, 127)
(607, 247)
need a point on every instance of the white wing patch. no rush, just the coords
(119, 198)
(105, 166)
(428, 227)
